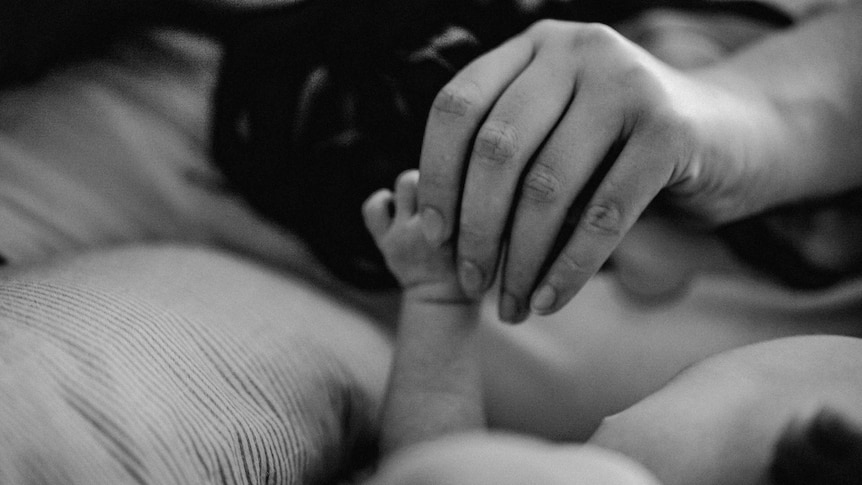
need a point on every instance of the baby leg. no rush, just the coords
(492, 459)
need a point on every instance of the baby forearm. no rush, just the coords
(435, 386)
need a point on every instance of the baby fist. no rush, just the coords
(425, 271)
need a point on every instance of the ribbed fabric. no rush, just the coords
(99, 386)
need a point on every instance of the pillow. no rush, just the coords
(180, 365)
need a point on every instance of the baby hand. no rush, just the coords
(426, 272)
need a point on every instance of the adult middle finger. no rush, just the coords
(515, 129)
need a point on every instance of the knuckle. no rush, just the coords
(573, 263)
(643, 91)
(370, 201)
(367, 208)
(546, 27)
(636, 75)
(542, 185)
(594, 35)
(372, 204)
(497, 141)
(575, 35)
(473, 239)
(459, 98)
(604, 218)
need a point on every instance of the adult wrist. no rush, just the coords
(807, 79)
(749, 152)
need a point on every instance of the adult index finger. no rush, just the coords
(456, 114)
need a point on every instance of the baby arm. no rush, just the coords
(434, 388)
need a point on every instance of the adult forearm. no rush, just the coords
(435, 384)
(809, 144)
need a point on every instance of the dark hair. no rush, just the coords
(318, 106)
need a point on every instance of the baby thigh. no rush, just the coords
(503, 459)
(720, 420)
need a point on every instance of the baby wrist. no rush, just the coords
(436, 294)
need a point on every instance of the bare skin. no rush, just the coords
(433, 416)
(719, 421)
(570, 112)
(435, 388)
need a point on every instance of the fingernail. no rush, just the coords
(511, 310)
(544, 299)
(432, 226)
(471, 278)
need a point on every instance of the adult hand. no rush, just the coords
(530, 5)
(571, 128)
